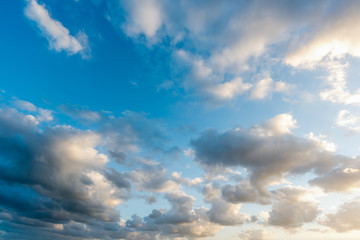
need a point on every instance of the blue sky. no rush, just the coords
(152, 119)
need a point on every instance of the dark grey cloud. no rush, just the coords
(242, 193)
(54, 177)
(56, 183)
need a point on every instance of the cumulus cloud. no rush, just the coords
(345, 219)
(180, 221)
(279, 125)
(343, 178)
(153, 178)
(58, 36)
(57, 184)
(68, 156)
(186, 181)
(291, 210)
(227, 214)
(255, 234)
(243, 192)
(268, 157)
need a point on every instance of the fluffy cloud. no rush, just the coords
(291, 210)
(255, 234)
(242, 193)
(73, 166)
(268, 157)
(266, 86)
(225, 213)
(345, 219)
(187, 181)
(153, 178)
(348, 120)
(143, 17)
(58, 36)
(57, 184)
(343, 178)
(180, 221)
(279, 125)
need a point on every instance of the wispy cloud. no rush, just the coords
(58, 36)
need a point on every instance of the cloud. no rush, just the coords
(73, 166)
(143, 17)
(337, 91)
(180, 221)
(242, 193)
(269, 158)
(255, 234)
(343, 178)
(57, 183)
(24, 105)
(132, 132)
(266, 86)
(153, 178)
(279, 125)
(83, 115)
(348, 121)
(333, 37)
(42, 115)
(226, 214)
(291, 210)
(58, 36)
(214, 50)
(345, 219)
(187, 181)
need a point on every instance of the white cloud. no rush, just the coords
(187, 181)
(321, 142)
(145, 17)
(229, 89)
(291, 210)
(58, 36)
(333, 38)
(346, 218)
(279, 125)
(348, 120)
(255, 234)
(266, 86)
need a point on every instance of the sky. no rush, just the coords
(176, 120)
